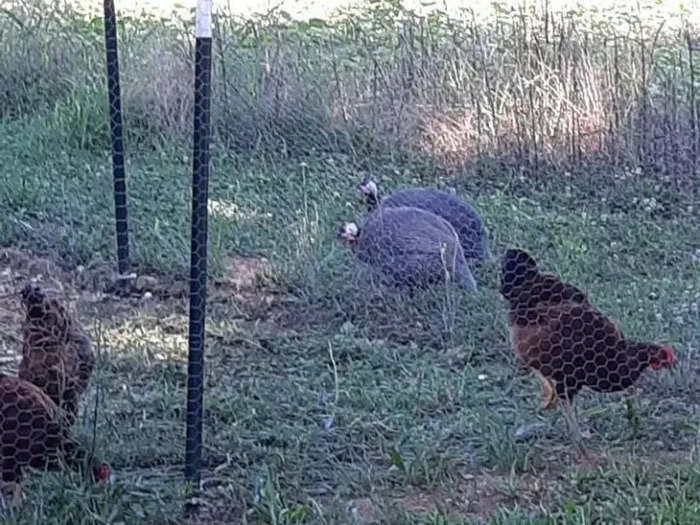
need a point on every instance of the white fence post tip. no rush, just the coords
(203, 19)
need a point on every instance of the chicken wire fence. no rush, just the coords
(41, 404)
(360, 112)
(569, 344)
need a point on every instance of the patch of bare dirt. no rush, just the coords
(78, 289)
(243, 292)
(363, 510)
(476, 497)
(246, 281)
(244, 273)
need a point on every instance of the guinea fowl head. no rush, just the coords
(370, 190)
(518, 269)
(349, 232)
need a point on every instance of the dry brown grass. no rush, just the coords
(534, 85)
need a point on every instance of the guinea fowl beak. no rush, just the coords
(345, 237)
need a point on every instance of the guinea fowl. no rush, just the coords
(569, 344)
(57, 354)
(34, 434)
(460, 214)
(413, 248)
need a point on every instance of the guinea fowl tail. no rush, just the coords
(488, 256)
(466, 280)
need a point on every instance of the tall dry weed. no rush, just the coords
(528, 85)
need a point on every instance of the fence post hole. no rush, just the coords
(198, 254)
(119, 175)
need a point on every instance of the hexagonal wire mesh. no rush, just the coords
(566, 341)
(40, 406)
(288, 209)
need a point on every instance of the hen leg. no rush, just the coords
(574, 429)
(549, 395)
(521, 366)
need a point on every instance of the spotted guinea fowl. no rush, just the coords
(34, 434)
(460, 214)
(413, 248)
(57, 354)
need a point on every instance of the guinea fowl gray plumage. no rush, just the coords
(413, 248)
(459, 213)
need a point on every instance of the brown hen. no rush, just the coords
(33, 434)
(558, 334)
(57, 354)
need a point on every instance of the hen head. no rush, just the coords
(43, 313)
(663, 357)
(518, 270)
(102, 473)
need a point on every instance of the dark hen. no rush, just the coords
(34, 434)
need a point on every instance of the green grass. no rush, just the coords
(328, 401)
(329, 395)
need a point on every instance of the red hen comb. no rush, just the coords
(670, 356)
(103, 473)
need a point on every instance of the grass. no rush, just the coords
(327, 401)
(324, 396)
